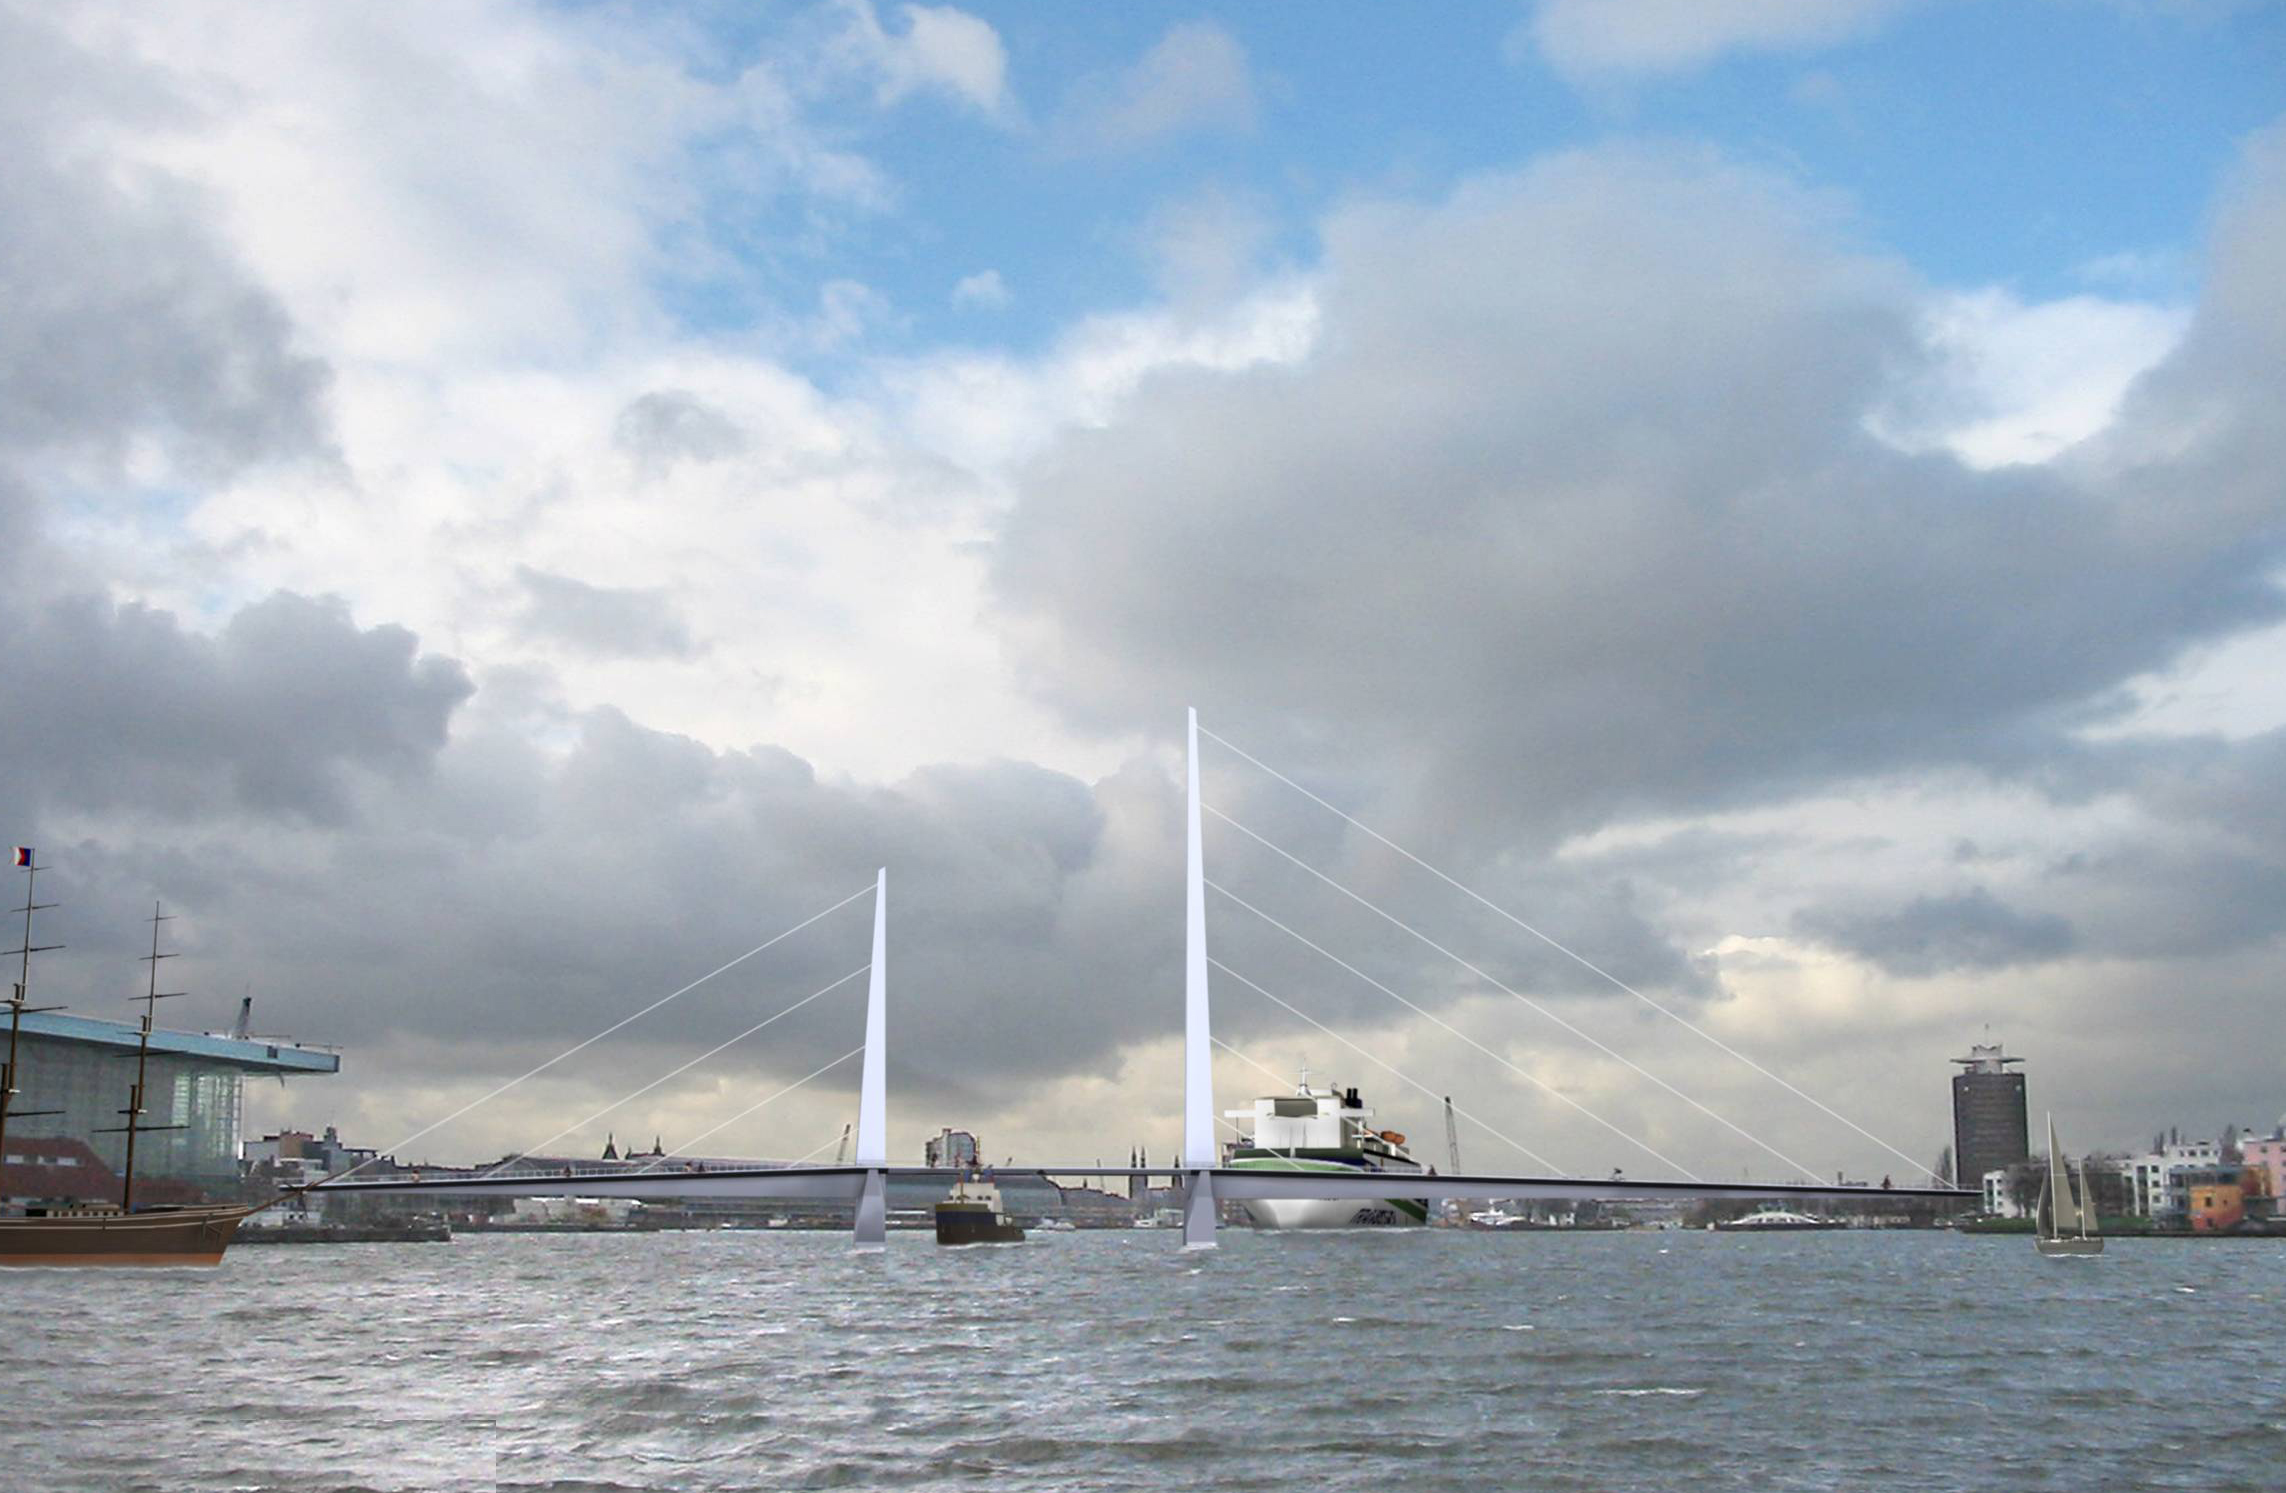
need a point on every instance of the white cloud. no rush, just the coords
(2016, 382)
(1589, 40)
(426, 185)
(941, 50)
(982, 291)
(1194, 78)
(1206, 248)
(2144, 272)
(476, 276)
(989, 412)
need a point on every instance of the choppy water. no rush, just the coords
(1385, 1361)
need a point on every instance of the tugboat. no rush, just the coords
(1324, 1130)
(971, 1215)
(79, 1233)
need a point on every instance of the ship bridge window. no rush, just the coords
(1294, 1108)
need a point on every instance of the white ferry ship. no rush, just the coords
(1322, 1130)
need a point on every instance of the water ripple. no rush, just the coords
(706, 1362)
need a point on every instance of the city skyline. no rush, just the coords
(504, 507)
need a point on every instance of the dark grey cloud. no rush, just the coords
(512, 897)
(511, 900)
(120, 707)
(604, 621)
(1939, 935)
(124, 314)
(2186, 863)
(1416, 931)
(1573, 514)
(2201, 872)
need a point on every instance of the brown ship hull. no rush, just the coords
(176, 1236)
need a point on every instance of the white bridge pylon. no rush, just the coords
(864, 1182)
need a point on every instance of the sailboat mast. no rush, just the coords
(134, 1111)
(28, 861)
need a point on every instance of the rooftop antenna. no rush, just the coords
(27, 861)
(150, 998)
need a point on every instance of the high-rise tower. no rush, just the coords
(1989, 1120)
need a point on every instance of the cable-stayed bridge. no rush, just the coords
(863, 1180)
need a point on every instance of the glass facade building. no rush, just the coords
(83, 1068)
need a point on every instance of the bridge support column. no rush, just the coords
(872, 1231)
(1199, 1212)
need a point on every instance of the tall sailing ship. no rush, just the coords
(1323, 1130)
(78, 1232)
(2067, 1223)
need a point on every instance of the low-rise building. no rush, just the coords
(2209, 1199)
(2152, 1177)
(2268, 1157)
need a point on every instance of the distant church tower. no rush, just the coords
(610, 1148)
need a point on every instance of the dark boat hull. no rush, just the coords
(179, 1236)
(974, 1225)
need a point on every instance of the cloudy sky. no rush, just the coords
(505, 507)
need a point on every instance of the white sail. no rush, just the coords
(2062, 1214)
(2067, 1214)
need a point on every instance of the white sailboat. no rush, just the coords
(2066, 1222)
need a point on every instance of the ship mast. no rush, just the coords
(150, 998)
(27, 860)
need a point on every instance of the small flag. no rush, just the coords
(23, 855)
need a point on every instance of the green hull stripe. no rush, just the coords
(1412, 1207)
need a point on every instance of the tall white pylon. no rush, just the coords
(1198, 1053)
(872, 1096)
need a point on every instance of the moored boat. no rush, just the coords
(1777, 1221)
(971, 1215)
(79, 1233)
(1323, 1130)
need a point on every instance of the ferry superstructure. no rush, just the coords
(1322, 1130)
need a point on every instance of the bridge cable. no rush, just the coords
(1571, 954)
(805, 1156)
(684, 1148)
(866, 891)
(1531, 1077)
(1536, 1157)
(677, 1072)
(1515, 994)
